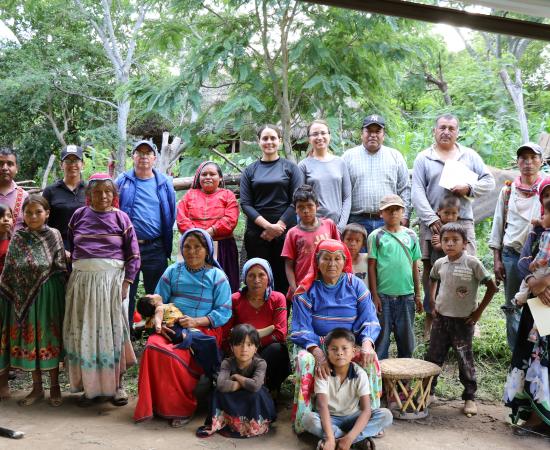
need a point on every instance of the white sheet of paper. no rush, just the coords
(541, 314)
(455, 173)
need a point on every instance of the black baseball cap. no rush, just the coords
(374, 119)
(72, 150)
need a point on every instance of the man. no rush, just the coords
(517, 205)
(11, 194)
(427, 193)
(148, 197)
(375, 171)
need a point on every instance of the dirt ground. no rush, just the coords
(103, 425)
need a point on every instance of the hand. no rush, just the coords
(167, 332)
(419, 306)
(433, 308)
(500, 274)
(125, 287)
(344, 443)
(266, 236)
(188, 322)
(377, 303)
(544, 297)
(330, 444)
(322, 368)
(436, 227)
(68, 255)
(436, 239)
(462, 190)
(537, 264)
(275, 229)
(237, 379)
(474, 317)
(536, 222)
(210, 231)
(368, 355)
(405, 222)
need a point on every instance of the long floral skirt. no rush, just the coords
(304, 383)
(36, 343)
(95, 331)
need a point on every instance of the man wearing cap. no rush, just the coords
(148, 197)
(427, 193)
(68, 194)
(11, 194)
(518, 204)
(375, 170)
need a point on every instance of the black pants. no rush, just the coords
(278, 365)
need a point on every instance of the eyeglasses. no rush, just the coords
(319, 133)
(144, 154)
(71, 160)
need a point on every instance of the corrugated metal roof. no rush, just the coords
(534, 8)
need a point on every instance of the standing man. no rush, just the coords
(375, 171)
(518, 204)
(427, 194)
(148, 197)
(11, 194)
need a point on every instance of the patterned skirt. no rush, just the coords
(304, 382)
(35, 344)
(95, 331)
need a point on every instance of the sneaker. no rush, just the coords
(470, 408)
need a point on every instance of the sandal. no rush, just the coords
(120, 398)
(84, 402)
(33, 397)
(203, 432)
(320, 445)
(178, 423)
(55, 400)
(365, 444)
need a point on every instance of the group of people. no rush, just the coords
(327, 239)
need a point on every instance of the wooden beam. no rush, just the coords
(450, 16)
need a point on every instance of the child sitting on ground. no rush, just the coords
(241, 405)
(455, 308)
(355, 238)
(538, 267)
(301, 240)
(394, 280)
(344, 415)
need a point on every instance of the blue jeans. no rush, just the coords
(380, 418)
(397, 316)
(153, 265)
(512, 283)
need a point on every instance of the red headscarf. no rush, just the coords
(196, 179)
(543, 185)
(328, 245)
(101, 176)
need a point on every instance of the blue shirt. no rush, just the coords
(146, 210)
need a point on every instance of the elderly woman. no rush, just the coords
(198, 287)
(331, 296)
(328, 174)
(214, 209)
(105, 256)
(265, 309)
(527, 390)
(267, 186)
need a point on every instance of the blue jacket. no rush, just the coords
(126, 183)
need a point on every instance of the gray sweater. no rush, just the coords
(254, 374)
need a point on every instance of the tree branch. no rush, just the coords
(133, 39)
(89, 97)
(221, 155)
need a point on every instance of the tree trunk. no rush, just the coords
(515, 89)
(122, 123)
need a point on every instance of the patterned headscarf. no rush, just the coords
(96, 178)
(266, 267)
(328, 245)
(209, 242)
(542, 186)
(197, 178)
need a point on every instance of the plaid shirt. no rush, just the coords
(374, 175)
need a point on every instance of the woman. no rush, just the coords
(266, 190)
(105, 256)
(265, 309)
(215, 210)
(65, 196)
(331, 296)
(527, 390)
(199, 288)
(328, 174)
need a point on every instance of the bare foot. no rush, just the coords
(55, 396)
(5, 394)
(36, 394)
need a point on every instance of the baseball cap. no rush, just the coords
(72, 150)
(535, 148)
(149, 144)
(374, 119)
(391, 200)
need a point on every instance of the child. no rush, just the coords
(241, 405)
(33, 283)
(448, 211)
(156, 313)
(394, 281)
(6, 225)
(538, 267)
(455, 309)
(344, 415)
(355, 238)
(301, 240)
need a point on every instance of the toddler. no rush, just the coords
(355, 238)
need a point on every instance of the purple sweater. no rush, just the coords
(110, 234)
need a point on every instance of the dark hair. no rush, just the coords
(199, 236)
(145, 307)
(319, 122)
(305, 193)
(449, 201)
(355, 228)
(216, 165)
(36, 198)
(93, 183)
(271, 127)
(7, 151)
(547, 206)
(339, 333)
(446, 116)
(453, 227)
(240, 332)
(5, 208)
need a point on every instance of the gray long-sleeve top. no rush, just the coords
(426, 192)
(254, 374)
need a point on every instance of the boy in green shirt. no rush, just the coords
(394, 279)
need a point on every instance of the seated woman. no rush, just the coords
(265, 309)
(199, 288)
(331, 296)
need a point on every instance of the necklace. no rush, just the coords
(194, 270)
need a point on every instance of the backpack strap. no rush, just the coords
(381, 232)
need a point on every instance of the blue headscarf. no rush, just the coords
(209, 242)
(264, 265)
